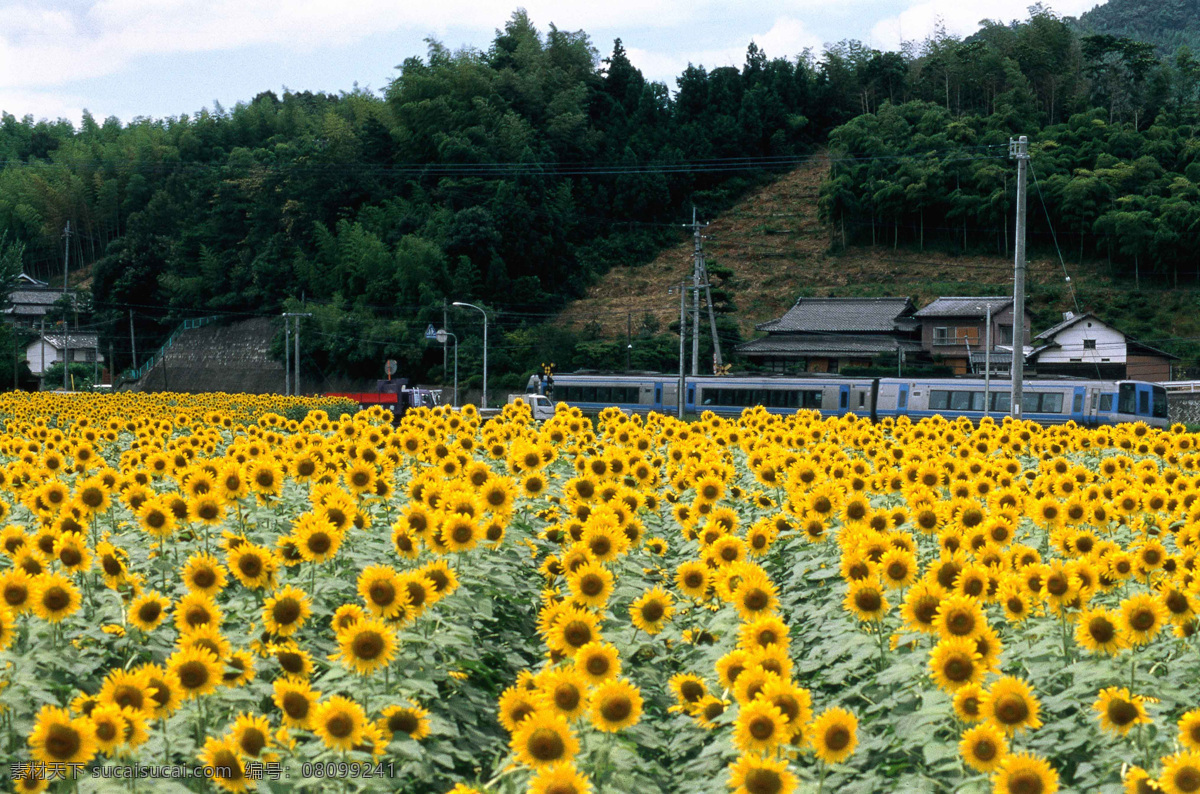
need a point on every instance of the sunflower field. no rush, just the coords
(223, 592)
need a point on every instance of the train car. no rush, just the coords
(1086, 402)
(642, 393)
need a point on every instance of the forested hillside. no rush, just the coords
(512, 177)
(1168, 24)
(508, 177)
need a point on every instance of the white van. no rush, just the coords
(539, 404)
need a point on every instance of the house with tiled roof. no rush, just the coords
(953, 331)
(48, 350)
(1084, 345)
(830, 334)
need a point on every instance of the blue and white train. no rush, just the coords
(1086, 402)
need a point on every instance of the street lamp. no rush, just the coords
(442, 335)
(483, 401)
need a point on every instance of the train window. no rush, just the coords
(657, 393)
(1143, 403)
(1001, 402)
(691, 394)
(1077, 404)
(1126, 395)
(1030, 403)
(761, 397)
(1106, 402)
(811, 399)
(1160, 402)
(976, 401)
(960, 401)
(603, 394)
(939, 400)
(862, 399)
(1052, 403)
(844, 402)
(902, 403)
(587, 394)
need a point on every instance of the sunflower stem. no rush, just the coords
(821, 784)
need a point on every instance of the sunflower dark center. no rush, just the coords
(652, 611)
(193, 675)
(62, 742)
(1011, 709)
(56, 598)
(368, 645)
(616, 708)
(546, 745)
(868, 600)
(286, 611)
(1121, 712)
(296, 705)
(958, 669)
(837, 738)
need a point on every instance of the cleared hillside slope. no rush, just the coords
(775, 249)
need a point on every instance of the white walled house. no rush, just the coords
(46, 351)
(1084, 345)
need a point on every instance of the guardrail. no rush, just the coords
(157, 355)
(1182, 386)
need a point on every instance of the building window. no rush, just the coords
(1089, 344)
(1004, 334)
(968, 334)
(941, 336)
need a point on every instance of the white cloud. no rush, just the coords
(43, 47)
(787, 38)
(42, 105)
(960, 18)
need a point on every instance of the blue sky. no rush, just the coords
(129, 58)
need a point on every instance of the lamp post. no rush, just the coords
(442, 336)
(483, 401)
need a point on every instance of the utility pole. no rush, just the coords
(42, 374)
(132, 340)
(291, 366)
(628, 341)
(987, 366)
(296, 362)
(1019, 151)
(66, 325)
(700, 281)
(682, 337)
(446, 324)
(287, 352)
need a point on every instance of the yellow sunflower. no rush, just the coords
(1010, 704)
(366, 646)
(339, 721)
(1025, 773)
(754, 774)
(58, 738)
(615, 704)
(543, 739)
(983, 747)
(1119, 711)
(834, 735)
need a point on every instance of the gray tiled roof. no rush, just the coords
(41, 297)
(77, 341)
(841, 315)
(826, 345)
(964, 306)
